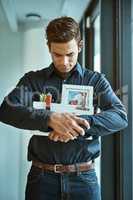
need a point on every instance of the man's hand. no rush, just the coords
(81, 121)
(67, 124)
(60, 137)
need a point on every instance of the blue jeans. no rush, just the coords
(67, 186)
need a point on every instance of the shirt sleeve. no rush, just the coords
(17, 110)
(112, 116)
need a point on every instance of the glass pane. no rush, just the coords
(96, 60)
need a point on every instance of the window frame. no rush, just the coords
(116, 149)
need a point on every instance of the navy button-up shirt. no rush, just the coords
(17, 110)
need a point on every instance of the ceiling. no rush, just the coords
(15, 11)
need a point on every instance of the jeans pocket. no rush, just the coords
(34, 175)
(89, 176)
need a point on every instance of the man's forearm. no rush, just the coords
(106, 122)
(24, 117)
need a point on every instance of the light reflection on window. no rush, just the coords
(97, 66)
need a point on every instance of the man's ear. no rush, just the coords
(80, 45)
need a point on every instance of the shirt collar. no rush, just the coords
(77, 69)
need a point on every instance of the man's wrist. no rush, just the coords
(49, 120)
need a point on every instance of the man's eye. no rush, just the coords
(71, 55)
(57, 55)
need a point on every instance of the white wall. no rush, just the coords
(36, 55)
(10, 138)
(19, 53)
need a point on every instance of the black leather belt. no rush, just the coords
(59, 168)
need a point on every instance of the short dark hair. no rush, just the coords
(63, 29)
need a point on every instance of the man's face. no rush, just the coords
(64, 55)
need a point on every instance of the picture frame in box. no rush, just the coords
(78, 96)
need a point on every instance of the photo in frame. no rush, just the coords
(79, 97)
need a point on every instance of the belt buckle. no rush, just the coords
(55, 168)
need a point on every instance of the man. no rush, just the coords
(63, 163)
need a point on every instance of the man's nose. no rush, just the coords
(65, 60)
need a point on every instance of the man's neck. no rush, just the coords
(63, 75)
